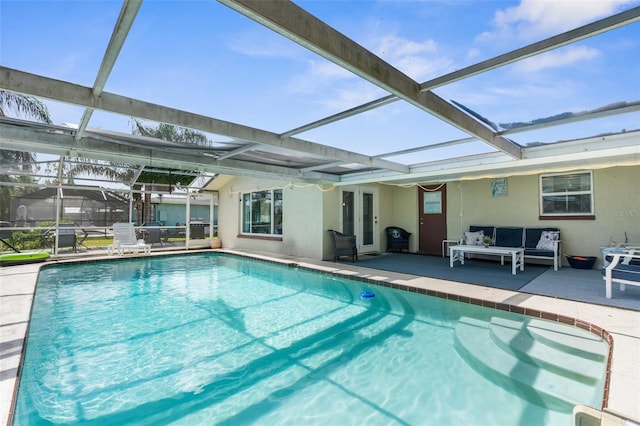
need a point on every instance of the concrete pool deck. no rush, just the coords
(17, 284)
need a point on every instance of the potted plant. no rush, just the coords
(216, 243)
(487, 241)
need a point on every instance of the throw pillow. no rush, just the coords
(548, 239)
(473, 238)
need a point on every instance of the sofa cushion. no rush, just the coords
(489, 231)
(538, 252)
(625, 272)
(509, 237)
(473, 238)
(548, 240)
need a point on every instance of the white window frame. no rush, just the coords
(272, 224)
(566, 193)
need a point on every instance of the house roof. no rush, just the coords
(471, 146)
(50, 193)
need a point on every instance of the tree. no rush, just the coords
(20, 106)
(166, 132)
(23, 106)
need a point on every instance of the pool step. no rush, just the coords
(582, 363)
(505, 353)
(578, 342)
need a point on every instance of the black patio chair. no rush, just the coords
(397, 238)
(152, 233)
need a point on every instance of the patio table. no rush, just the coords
(456, 253)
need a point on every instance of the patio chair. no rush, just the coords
(343, 245)
(6, 234)
(397, 238)
(152, 233)
(66, 236)
(124, 239)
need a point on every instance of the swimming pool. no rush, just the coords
(215, 339)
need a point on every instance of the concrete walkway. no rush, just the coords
(17, 284)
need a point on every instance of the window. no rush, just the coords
(566, 194)
(262, 212)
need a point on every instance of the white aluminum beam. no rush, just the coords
(621, 149)
(342, 115)
(238, 151)
(427, 147)
(607, 24)
(614, 109)
(123, 25)
(572, 36)
(323, 166)
(91, 146)
(35, 85)
(298, 25)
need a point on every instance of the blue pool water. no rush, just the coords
(214, 339)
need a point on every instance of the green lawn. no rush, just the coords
(93, 242)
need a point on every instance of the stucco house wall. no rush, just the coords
(309, 212)
(392, 211)
(301, 218)
(401, 210)
(330, 219)
(616, 204)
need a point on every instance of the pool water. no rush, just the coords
(215, 339)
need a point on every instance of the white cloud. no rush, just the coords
(472, 54)
(327, 70)
(333, 87)
(419, 60)
(343, 90)
(421, 69)
(535, 19)
(391, 46)
(252, 43)
(319, 75)
(557, 58)
(347, 97)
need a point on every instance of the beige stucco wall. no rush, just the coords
(401, 210)
(616, 201)
(331, 219)
(332, 211)
(309, 212)
(302, 218)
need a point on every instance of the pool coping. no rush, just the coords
(621, 384)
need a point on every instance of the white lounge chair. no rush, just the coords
(124, 239)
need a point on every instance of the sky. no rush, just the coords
(203, 57)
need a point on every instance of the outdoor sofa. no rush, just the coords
(537, 242)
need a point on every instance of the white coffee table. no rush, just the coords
(456, 253)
